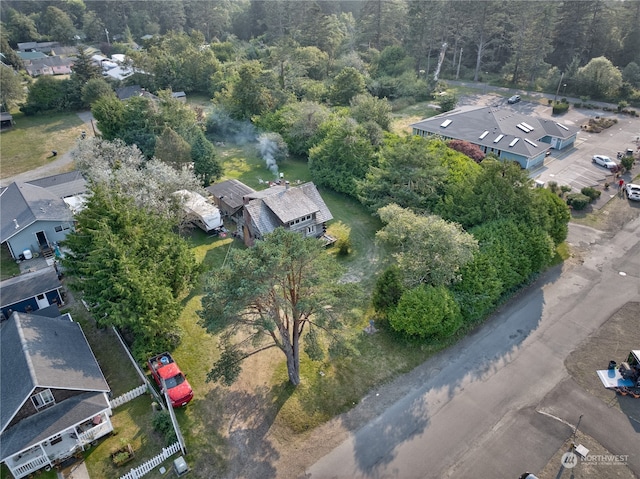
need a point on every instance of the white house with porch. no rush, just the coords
(54, 396)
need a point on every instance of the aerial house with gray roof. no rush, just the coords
(503, 131)
(297, 208)
(54, 396)
(30, 291)
(36, 215)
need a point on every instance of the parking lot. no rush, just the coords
(573, 166)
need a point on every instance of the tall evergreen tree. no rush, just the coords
(131, 278)
(83, 67)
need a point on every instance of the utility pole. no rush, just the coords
(555, 98)
(573, 437)
(459, 62)
(440, 60)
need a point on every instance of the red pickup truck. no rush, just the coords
(164, 367)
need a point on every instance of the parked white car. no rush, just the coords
(633, 191)
(605, 161)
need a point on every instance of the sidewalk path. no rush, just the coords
(76, 471)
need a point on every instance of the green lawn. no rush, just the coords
(29, 143)
(412, 114)
(8, 265)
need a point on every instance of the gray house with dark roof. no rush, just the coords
(297, 208)
(54, 396)
(35, 216)
(505, 132)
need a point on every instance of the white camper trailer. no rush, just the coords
(199, 211)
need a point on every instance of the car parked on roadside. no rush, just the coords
(633, 191)
(514, 99)
(605, 161)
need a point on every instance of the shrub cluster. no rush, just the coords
(591, 193)
(578, 201)
(560, 108)
(162, 424)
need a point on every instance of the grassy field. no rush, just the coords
(412, 114)
(29, 143)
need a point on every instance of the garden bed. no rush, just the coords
(123, 455)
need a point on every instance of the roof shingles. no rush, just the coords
(22, 204)
(44, 352)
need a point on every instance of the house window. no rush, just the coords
(311, 229)
(43, 399)
(58, 229)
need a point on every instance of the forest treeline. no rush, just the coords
(536, 45)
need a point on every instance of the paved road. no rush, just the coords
(476, 414)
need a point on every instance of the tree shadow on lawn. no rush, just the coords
(248, 417)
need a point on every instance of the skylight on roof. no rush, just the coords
(446, 123)
(562, 126)
(486, 132)
(527, 125)
(514, 141)
(500, 137)
(535, 145)
(523, 127)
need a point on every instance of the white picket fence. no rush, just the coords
(128, 396)
(151, 464)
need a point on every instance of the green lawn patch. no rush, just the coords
(413, 113)
(115, 365)
(29, 143)
(200, 100)
(133, 425)
(333, 387)
(8, 266)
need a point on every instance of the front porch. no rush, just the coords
(56, 449)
